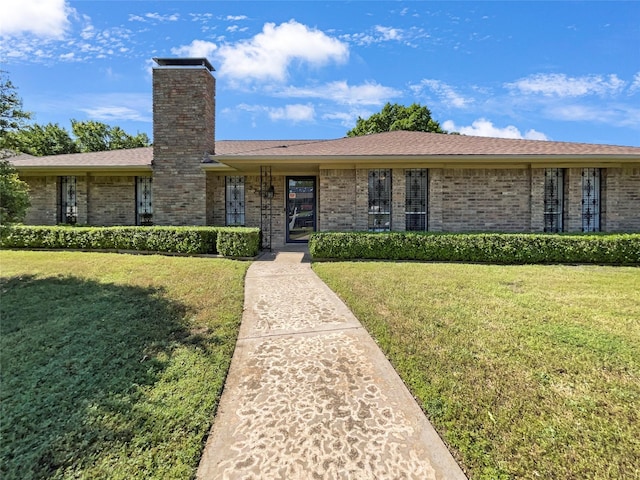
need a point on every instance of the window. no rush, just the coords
(234, 202)
(144, 204)
(416, 199)
(68, 200)
(553, 199)
(379, 200)
(590, 199)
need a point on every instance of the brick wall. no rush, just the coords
(215, 200)
(183, 130)
(485, 200)
(43, 193)
(622, 201)
(338, 199)
(434, 206)
(111, 201)
(398, 199)
(537, 200)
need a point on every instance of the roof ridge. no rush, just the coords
(262, 148)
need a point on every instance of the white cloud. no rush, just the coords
(635, 86)
(115, 107)
(107, 107)
(197, 48)
(619, 115)
(388, 33)
(444, 91)
(294, 113)
(560, 85)
(347, 119)
(154, 16)
(163, 18)
(341, 92)
(379, 34)
(485, 128)
(115, 113)
(42, 18)
(269, 54)
(235, 18)
(532, 134)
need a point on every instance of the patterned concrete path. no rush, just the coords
(310, 395)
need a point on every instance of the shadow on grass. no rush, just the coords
(75, 357)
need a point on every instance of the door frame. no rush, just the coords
(315, 205)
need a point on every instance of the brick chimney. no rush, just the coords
(183, 136)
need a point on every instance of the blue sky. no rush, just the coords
(563, 71)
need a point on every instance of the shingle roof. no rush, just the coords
(399, 143)
(405, 143)
(132, 157)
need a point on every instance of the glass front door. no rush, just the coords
(301, 208)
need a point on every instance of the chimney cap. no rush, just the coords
(184, 62)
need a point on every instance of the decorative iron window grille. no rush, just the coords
(379, 200)
(553, 199)
(144, 201)
(590, 199)
(234, 202)
(416, 199)
(68, 200)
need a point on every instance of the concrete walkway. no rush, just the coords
(310, 395)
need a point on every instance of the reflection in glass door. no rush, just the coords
(301, 208)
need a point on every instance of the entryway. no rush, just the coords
(301, 208)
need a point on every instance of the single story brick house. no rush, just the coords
(389, 181)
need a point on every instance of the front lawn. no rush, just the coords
(527, 372)
(112, 365)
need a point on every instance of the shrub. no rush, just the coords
(612, 249)
(238, 242)
(234, 242)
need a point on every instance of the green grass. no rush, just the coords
(112, 365)
(526, 372)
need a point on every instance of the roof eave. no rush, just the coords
(475, 159)
(66, 169)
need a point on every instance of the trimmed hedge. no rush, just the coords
(227, 241)
(611, 249)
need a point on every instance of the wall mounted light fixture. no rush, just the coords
(269, 192)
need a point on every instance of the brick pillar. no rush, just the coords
(183, 135)
(435, 206)
(337, 207)
(537, 200)
(573, 199)
(362, 200)
(398, 200)
(82, 196)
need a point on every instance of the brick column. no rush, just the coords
(82, 195)
(338, 203)
(573, 199)
(435, 200)
(183, 135)
(361, 213)
(537, 199)
(398, 200)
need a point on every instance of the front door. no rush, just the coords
(301, 208)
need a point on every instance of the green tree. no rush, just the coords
(92, 136)
(38, 140)
(12, 115)
(121, 139)
(397, 117)
(14, 195)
